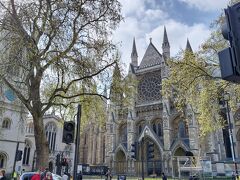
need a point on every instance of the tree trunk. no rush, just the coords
(41, 143)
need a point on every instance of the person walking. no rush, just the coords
(2, 174)
(65, 176)
(36, 176)
(48, 176)
(108, 175)
(164, 177)
(15, 175)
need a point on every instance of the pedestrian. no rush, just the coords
(65, 176)
(237, 177)
(233, 176)
(2, 174)
(108, 175)
(48, 176)
(43, 175)
(15, 175)
(164, 177)
(36, 176)
(79, 176)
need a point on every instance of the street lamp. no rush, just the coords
(226, 99)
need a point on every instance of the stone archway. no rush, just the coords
(152, 165)
(120, 156)
(179, 152)
(121, 163)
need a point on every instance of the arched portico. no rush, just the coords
(153, 165)
(121, 161)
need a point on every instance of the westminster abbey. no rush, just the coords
(152, 119)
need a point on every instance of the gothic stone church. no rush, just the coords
(152, 119)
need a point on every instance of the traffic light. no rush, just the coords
(134, 150)
(18, 155)
(150, 151)
(229, 58)
(68, 132)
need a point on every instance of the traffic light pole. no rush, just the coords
(14, 163)
(142, 151)
(231, 138)
(77, 143)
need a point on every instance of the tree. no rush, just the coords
(194, 80)
(53, 51)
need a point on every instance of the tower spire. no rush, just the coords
(188, 46)
(165, 37)
(134, 55)
(165, 45)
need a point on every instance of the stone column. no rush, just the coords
(110, 140)
(130, 140)
(166, 135)
(166, 124)
(94, 143)
(100, 146)
(90, 138)
(192, 131)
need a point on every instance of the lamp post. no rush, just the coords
(226, 99)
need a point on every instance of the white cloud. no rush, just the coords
(143, 22)
(131, 6)
(207, 5)
(138, 20)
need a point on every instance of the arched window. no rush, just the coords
(181, 129)
(160, 132)
(51, 130)
(123, 133)
(30, 128)
(6, 124)
(139, 129)
(154, 128)
(157, 127)
(26, 154)
(3, 160)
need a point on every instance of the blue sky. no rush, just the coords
(144, 19)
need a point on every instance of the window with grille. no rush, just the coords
(51, 131)
(3, 160)
(6, 124)
(26, 154)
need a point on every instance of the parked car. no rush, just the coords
(56, 177)
(29, 175)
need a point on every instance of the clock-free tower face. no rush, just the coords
(149, 88)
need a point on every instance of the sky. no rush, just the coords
(145, 19)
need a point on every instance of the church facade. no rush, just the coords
(153, 128)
